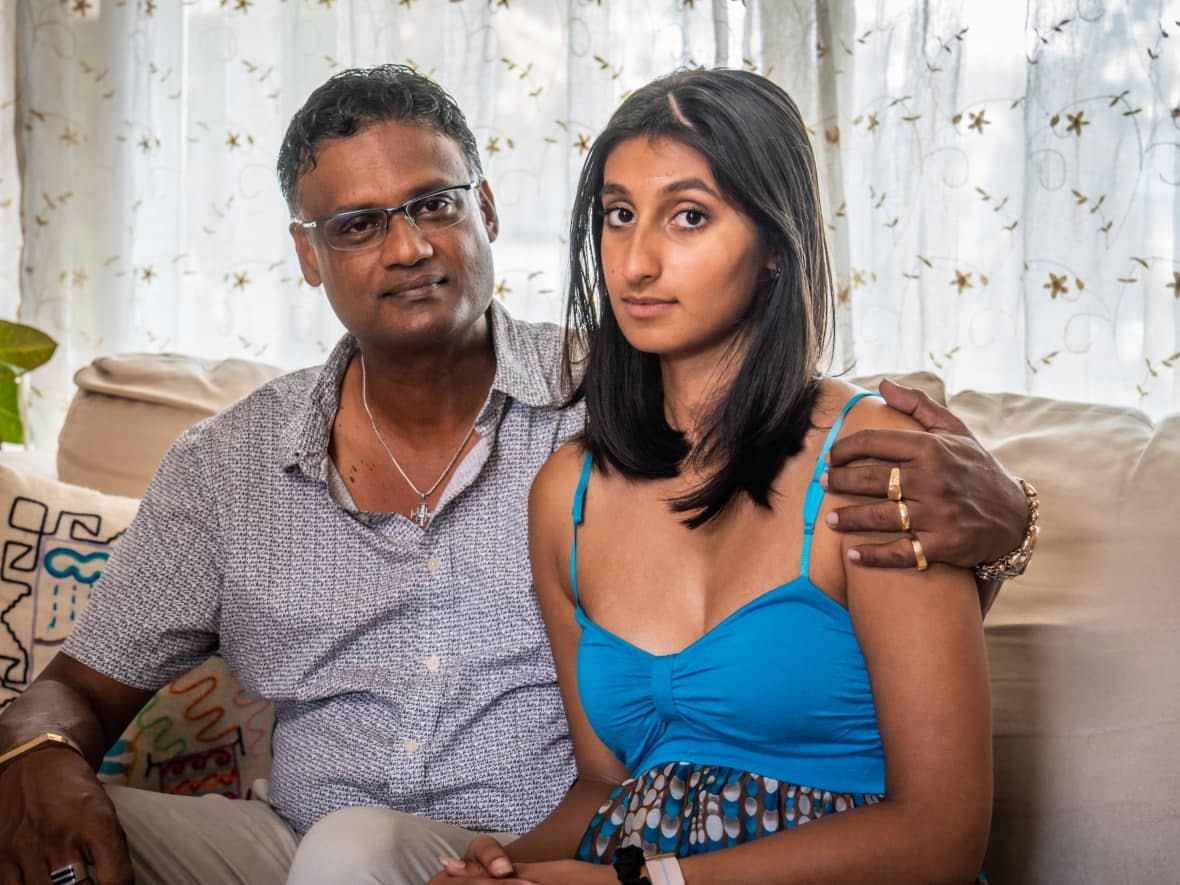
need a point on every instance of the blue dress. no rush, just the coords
(765, 723)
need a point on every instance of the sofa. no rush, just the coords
(1084, 649)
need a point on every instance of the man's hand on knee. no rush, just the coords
(53, 814)
(939, 485)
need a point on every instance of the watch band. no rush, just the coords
(39, 742)
(628, 864)
(1013, 563)
(664, 869)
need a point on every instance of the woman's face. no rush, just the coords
(681, 264)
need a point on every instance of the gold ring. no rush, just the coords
(919, 556)
(895, 484)
(904, 513)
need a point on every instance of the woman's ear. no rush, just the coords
(772, 271)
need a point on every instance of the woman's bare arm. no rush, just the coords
(922, 638)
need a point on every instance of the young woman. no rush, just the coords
(728, 672)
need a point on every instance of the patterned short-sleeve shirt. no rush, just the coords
(409, 668)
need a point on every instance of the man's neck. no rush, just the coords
(426, 391)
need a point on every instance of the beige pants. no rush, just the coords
(203, 840)
(210, 840)
(376, 846)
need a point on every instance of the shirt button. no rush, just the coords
(411, 746)
(433, 663)
(433, 564)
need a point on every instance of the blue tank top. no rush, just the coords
(779, 688)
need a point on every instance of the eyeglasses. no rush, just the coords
(426, 213)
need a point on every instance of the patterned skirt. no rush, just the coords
(687, 809)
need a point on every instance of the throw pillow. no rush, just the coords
(199, 734)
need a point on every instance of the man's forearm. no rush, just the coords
(54, 707)
(71, 699)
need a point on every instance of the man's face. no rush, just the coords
(409, 290)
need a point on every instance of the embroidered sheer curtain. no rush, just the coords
(1001, 177)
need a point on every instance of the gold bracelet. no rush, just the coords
(1013, 563)
(37, 743)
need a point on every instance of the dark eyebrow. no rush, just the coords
(683, 184)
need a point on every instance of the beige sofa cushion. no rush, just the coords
(130, 408)
(200, 733)
(1085, 648)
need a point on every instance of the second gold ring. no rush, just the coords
(904, 512)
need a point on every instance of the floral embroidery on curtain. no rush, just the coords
(1001, 178)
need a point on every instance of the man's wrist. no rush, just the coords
(45, 740)
(1014, 562)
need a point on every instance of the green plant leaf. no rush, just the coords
(11, 428)
(23, 347)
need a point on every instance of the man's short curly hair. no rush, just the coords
(359, 97)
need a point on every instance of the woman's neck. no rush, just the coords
(692, 387)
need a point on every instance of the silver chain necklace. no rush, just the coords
(420, 514)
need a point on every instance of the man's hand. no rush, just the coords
(964, 507)
(54, 812)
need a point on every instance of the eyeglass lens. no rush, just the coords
(354, 230)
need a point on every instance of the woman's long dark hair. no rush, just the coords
(754, 140)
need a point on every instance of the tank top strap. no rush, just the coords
(815, 491)
(579, 514)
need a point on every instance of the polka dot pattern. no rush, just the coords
(685, 809)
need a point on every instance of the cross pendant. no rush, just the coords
(421, 514)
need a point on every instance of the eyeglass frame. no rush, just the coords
(389, 212)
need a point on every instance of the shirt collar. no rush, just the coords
(527, 360)
(527, 370)
(305, 437)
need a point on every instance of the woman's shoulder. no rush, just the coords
(868, 413)
(557, 480)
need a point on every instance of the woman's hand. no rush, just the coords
(484, 857)
(554, 872)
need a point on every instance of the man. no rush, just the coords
(352, 540)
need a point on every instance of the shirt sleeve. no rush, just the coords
(154, 613)
(571, 423)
